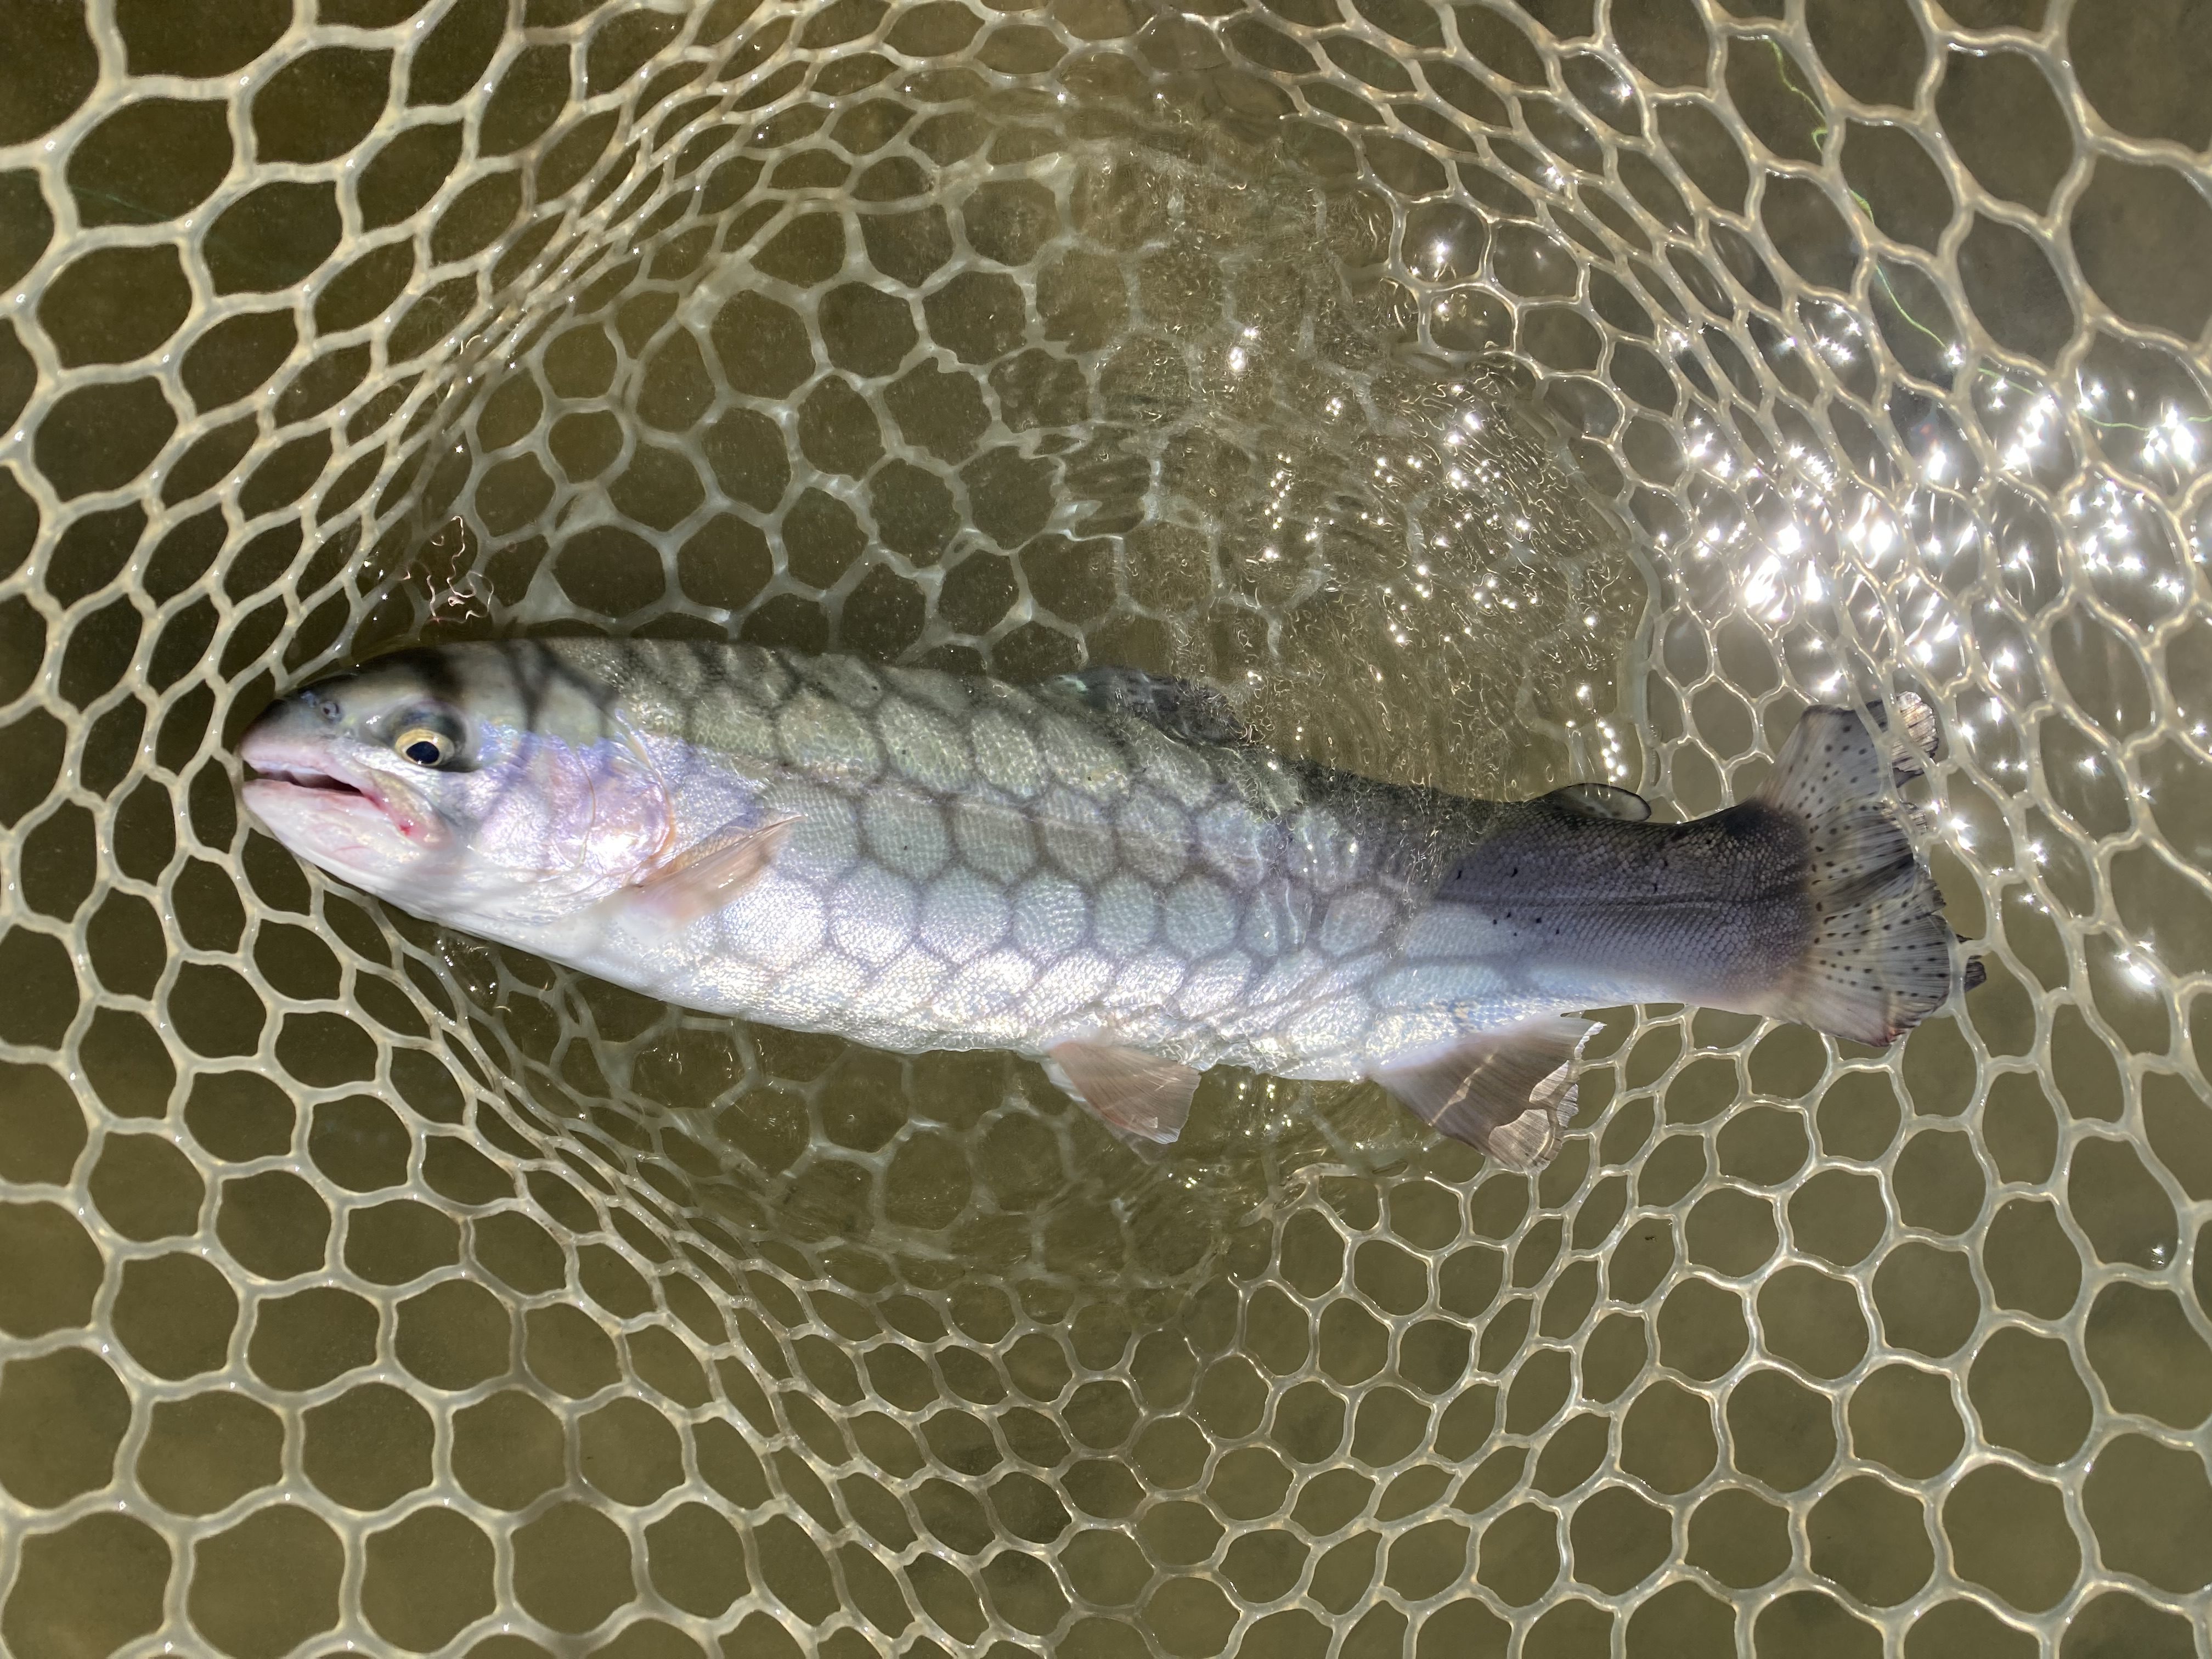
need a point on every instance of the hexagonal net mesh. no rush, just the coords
(1584, 388)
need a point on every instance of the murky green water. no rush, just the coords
(1488, 396)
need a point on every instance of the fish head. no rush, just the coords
(477, 784)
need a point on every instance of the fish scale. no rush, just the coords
(1013, 847)
(1099, 870)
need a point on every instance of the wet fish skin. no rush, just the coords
(916, 859)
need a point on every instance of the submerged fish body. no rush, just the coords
(1097, 871)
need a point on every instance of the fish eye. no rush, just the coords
(424, 745)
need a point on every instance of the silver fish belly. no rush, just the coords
(975, 865)
(918, 859)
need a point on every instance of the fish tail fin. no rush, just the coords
(1882, 956)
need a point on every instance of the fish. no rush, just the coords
(1104, 872)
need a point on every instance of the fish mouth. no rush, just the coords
(301, 777)
(295, 789)
(274, 778)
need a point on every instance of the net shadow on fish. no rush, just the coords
(944, 856)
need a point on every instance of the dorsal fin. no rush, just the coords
(1184, 709)
(1601, 800)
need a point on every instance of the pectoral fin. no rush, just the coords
(1510, 1093)
(1136, 1093)
(1602, 801)
(710, 873)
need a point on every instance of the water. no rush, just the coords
(1483, 401)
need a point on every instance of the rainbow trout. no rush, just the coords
(1100, 871)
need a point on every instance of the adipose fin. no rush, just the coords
(1601, 800)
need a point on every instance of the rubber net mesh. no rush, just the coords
(1484, 395)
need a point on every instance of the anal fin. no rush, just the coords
(1510, 1093)
(1133, 1092)
(712, 872)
